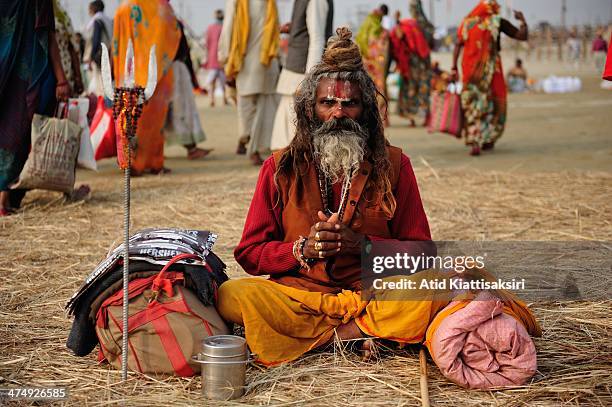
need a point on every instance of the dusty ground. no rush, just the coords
(549, 178)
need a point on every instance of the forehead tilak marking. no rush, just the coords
(339, 90)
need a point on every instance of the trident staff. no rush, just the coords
(128, 101)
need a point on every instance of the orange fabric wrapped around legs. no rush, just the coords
(282, 323)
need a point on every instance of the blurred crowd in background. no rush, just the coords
(250, 59)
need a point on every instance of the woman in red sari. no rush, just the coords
(484, 93)
(412, 40)
(607, 74)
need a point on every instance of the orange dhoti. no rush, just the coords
(282, 323)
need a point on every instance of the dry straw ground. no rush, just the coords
(50, 246)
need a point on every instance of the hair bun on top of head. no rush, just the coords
(342, 54)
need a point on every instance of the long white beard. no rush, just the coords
(339, 152)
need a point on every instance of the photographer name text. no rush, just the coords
(448, 284)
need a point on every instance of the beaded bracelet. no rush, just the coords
(296, 248)
(298, 253)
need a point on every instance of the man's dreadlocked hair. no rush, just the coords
(341, 60)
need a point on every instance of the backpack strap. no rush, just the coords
(161, 283)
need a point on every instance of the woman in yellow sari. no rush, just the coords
(148, 23)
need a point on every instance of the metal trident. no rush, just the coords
(128, 79)
(129, 84)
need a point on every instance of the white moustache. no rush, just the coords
(339, 153)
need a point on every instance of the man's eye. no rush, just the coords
(328, 102)
(350, 103)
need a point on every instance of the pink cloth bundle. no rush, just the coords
(480, 346)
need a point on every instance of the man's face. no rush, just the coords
(337, 99)
(339, 140)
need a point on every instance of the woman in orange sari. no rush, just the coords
(148, 23)
(484, 93)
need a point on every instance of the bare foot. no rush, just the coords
(197, 153)
(6, 212)
(242, 142)
(5, 208)
(256, 159)
(368, 350)
(79, 193)
(162, 171)
(349, 332)
(426, 120)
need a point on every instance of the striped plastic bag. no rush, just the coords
(446, 116)
(102, 132)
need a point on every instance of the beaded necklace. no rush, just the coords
(325, 187)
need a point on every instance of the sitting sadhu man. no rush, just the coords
(339, 165)
(338, 182)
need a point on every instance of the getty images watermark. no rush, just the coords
(416, 270)
(458, 265)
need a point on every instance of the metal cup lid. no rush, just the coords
(224, 346)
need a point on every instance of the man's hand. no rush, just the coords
(333, 238)
(350, 241)
(324, 239)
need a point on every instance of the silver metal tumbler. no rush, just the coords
(224, 359)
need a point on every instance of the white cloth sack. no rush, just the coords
(52, 161)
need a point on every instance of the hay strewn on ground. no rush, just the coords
(51, 245)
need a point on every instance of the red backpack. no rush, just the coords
(166, 324)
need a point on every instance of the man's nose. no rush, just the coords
(339, 112)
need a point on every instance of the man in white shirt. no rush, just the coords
(310, 27)
(255, 79)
